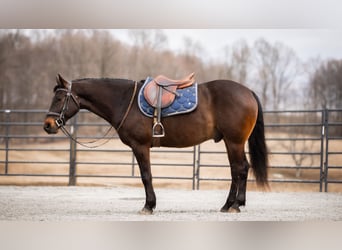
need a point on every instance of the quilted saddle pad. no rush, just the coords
(186, 101)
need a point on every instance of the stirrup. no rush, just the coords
(155, 132)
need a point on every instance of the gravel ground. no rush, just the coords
(123, 204)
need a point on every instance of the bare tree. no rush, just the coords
(15, 62)
(149, 39)
(76, 54)
(277, 68)
(106, 52)
(190, 60)
(299, 149)
(6, 44)
(144, 55)
(37, 57)
(325, 85)
(237, 61)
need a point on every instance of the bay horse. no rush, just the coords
(226, 111)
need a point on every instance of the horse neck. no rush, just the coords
(105, 98)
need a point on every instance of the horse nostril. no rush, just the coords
(48, 125)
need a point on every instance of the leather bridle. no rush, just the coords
(60, 121)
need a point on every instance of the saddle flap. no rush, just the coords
(151, 93)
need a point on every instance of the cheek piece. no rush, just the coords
(60, 120)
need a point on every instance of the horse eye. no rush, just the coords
(58, 98)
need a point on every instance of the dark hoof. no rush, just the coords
(224, 210)
(146, 211)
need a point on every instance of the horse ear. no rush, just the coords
(58, 76)
(62, 82)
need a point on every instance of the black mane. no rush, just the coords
(103, 79)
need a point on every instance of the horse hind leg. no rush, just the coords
(239, 172)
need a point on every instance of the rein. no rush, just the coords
(85, 144)
(60, 121)
(129, 106)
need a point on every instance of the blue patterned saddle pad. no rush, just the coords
(185, 102)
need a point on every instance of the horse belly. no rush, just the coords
(188, 129)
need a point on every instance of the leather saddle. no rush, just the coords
(160, 93)
(163, 89)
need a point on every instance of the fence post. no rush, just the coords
(194, 167)
(133, 165)
(73, 145)
(7, 137)
(321, 165)
(198, 167)
(326, 163)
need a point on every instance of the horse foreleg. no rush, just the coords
(239, 171)
(142, 154)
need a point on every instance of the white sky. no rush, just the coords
(307, 43)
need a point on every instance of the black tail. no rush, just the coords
(258, 149)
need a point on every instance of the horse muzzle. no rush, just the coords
(50, 125)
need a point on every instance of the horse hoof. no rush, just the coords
(146, 211)
(224, 210)
(234, 210)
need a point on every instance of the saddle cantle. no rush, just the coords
(157, 98)
(164, 88)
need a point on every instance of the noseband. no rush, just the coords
(60, 121)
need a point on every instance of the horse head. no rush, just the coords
(65, 104)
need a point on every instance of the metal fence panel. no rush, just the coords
(304, 147)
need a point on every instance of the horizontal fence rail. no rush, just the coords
(305, 147)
